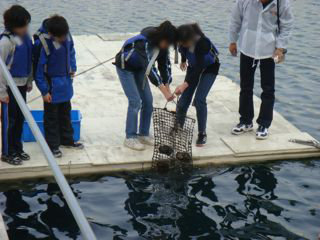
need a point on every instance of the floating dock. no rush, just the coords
(103, 105)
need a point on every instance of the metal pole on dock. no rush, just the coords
(73, 204)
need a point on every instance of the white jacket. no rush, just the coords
(255, 28)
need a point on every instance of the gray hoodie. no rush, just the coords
(255, 27)
(6, 48)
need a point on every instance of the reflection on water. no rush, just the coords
(250, 202)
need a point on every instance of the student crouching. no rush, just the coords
(200, 60)
(135, 65)
(16, 52)
(54, 77)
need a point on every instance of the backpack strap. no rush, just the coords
(42, 38)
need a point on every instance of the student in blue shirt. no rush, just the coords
(200, 60)
(55, 70)
(16, 53)
(135, 67)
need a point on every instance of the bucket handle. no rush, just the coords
(175, 102)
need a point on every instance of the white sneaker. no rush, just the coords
(262, 133)
(134, 144)
(242, 128)
(147, 140)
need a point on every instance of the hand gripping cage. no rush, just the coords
(172, 141)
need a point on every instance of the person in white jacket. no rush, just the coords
(260, 30)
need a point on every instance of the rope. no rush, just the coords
(77, 75)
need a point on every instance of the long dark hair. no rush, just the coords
(187, 32)
(165, 31)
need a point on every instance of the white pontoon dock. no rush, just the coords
(100, 98)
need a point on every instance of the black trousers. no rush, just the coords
(247, 70)
(57, 124)
(12, 121)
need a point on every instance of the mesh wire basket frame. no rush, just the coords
(167, 133)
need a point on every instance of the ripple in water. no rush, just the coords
(252, 202)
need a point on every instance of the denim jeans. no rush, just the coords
(202, 88)
(139, 100)
(247, 70)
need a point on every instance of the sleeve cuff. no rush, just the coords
(44, 93)
(3, 94)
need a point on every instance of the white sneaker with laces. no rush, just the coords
(146, 140)
(262, 133)
(242, 128)
(134, 144)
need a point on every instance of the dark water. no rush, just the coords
(279, 201)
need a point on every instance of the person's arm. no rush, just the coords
(73, 61)
(31, 75)
(183, 64)
(164, 66)
(193, 74)
(183, 58)
(202, 48)
(6, 47)
(145, 54)
(30, 81)
(40, 77)
(286, 25)
(236, 21)
(235, 27)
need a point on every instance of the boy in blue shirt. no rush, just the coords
(16, 53)
(55, 70)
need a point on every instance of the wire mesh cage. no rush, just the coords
(173, 141)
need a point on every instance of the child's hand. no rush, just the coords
(183, 66)
(233, 49)
(170, 97)
(166, 92)
(73, 74)
(181, 88)
(29, 87)
(47, 98)
(5, 99)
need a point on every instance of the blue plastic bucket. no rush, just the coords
(27, 135)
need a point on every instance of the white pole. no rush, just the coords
(61, 180)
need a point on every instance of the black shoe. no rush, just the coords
(75, 145)
(202, 139)
(24, 156)
(13, 159)
(262, 133)
(56, 153)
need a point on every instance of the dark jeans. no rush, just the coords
(202, 89)
(12, 124)
(247, 70)
(57, 124)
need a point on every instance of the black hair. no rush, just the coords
(16, 17)
(165, 31)
(57, 26)
(188, 32)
